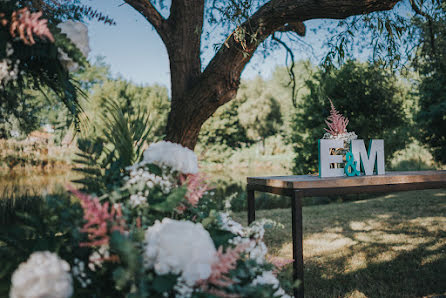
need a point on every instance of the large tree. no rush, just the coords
(198, 92)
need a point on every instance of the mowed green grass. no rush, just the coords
(390, 246)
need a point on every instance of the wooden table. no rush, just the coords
(298, 187)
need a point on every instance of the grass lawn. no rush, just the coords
(390, 246)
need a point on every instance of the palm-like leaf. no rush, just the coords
(120, 145)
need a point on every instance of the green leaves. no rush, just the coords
(172, 200)
(104, 158)
(164, 283)
(127, 133)
(51, 225)
(431, 65)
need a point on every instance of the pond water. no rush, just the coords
(225, 183)
(14, 184)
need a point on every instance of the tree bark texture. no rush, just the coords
(197, 94)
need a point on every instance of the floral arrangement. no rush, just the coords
(20, 26)
(337, 124)
(153, 237)
(24, 26)
(27, 24)
(337, 127)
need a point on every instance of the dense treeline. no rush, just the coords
(379, 104)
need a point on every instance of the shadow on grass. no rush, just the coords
(391, 246)
(413, 273)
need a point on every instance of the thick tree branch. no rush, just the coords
(146, 8)
(220, 80)
(275, 16)
(297, 27)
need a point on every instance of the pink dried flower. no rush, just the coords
(225, 263)
(28, 24)
(336, 123)
(279, 262)
(196, 187)
(100, 221)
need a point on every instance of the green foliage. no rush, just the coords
(223, 129)
(431, 64)
(130, 98)
(23, 119)
(357, 90)
(37, 67)
(103, 158)
(95, 74)
(37, 224)
(260, 112)
(118, 128)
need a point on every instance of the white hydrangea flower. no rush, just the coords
(44, 274)
(9, 49)
(4, 70)
(173, 155)
(257, 229)
(268, 278)
(180, 247)
(281, 293)
(78, 34)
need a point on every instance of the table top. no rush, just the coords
(309, 181)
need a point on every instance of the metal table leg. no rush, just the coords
(296, 224)
(251, 206)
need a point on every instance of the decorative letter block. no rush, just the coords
(368, 161)
(325, 159)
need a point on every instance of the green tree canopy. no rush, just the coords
(431, 65)
(260, 112)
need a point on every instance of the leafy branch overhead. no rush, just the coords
(197, 91)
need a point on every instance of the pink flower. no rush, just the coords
(336, 123)
(100, 221)
(279, 262)
(225, 262)
(28, 24)
(196, 187)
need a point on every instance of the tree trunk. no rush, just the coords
(182, 129)
(197, 94)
